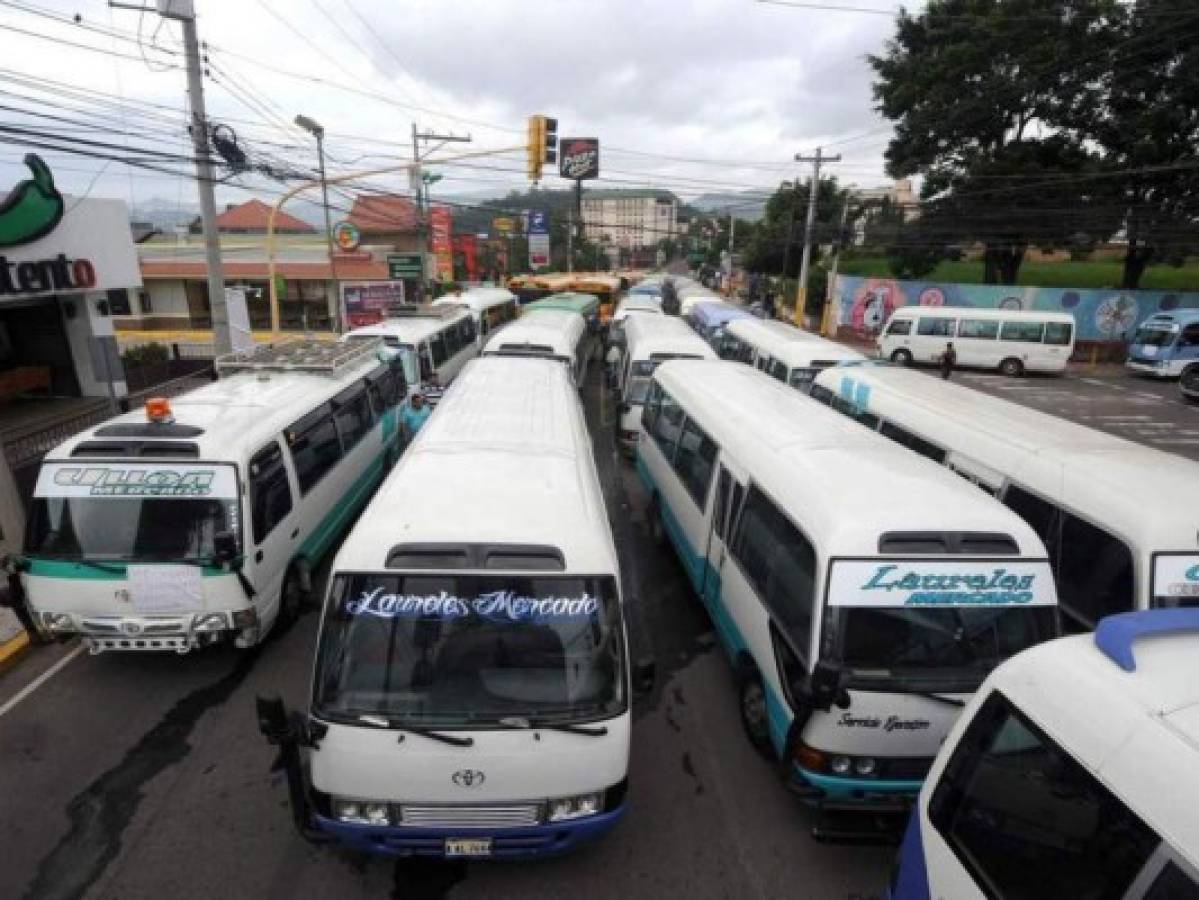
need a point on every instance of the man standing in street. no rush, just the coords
(413, 416)
(948, 360)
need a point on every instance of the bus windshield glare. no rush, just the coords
(1155, 335)
(449, 650)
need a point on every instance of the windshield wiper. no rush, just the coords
(948, 701)
(521, 722)
(384, 722)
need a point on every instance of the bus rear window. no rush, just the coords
(1026, 820)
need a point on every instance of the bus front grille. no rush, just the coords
(513, 816)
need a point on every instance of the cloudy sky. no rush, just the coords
(696, 96)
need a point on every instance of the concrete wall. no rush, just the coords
(89, 322)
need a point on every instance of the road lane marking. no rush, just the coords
(39, 681)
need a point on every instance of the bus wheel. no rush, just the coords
(292, 600)
(1012, 367)
(901, 358)
(657, 530)
(754, 717)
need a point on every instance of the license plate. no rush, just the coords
(468, 847)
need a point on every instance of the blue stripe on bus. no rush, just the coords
(734, 643)
(838, 788)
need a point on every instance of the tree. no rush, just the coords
(775, 245)
(981, 92)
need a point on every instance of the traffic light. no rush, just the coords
(541, 145)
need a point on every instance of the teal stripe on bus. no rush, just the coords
(112, 571)
(351, 502)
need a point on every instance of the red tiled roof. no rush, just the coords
(347, 270)
(386, 213)
(253, 215)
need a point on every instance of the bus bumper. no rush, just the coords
(506, 843)
(829, 792)
(1157, 368)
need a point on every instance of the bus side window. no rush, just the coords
(1041, 516)
(426, 362)
(1058, 333)
(1094, 572)
(720, 511)
(652, 406)
(468, 332)
(931, 327)
(780, 564)
(437, 345)
(694, 461)
(778, 370)
(353, 416)
(1023, 817)
(667, 426)
(453, 340)
(821, 394)
(900, 326)
(270, 492)
(911, 441)
(315, 447)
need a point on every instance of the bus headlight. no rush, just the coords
(574, 807)
(362, 812)
(208, 622)
(57, 622)
(245, 618)
(840, 765)
(865, 765)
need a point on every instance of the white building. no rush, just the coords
(630, 219)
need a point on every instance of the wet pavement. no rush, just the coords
(145, 776)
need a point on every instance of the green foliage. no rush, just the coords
(1066, 274)
(775, 245)
(146, 355)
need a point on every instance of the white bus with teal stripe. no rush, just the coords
(861, 592)
(202, 519)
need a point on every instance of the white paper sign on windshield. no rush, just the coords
(122, 479)
(166, 589)
(889, 583)
(1176, 576)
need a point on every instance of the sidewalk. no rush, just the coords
(13, 639)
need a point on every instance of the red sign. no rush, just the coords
(578, 158)
(441, 223)
(367, 302)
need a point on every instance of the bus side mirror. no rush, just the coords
(224, 546)
(272, 718)
(825, 687)
(645, 673)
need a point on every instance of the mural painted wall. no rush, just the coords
(863, 304)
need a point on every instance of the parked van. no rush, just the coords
(649, 341)
(471, 691)
(1011, 340)
(203, 518)
(1119, 518)
(1070, 774)
(490, 307)
(431, 339)
(861, 592)
(711, 319)
(1165, 344)
(784, 352)
(550, 333)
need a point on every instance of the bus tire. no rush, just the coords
(657, 528)
(751, 705)
(1011, 367)
(902, 357)
(293, 599)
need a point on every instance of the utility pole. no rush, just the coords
(570, 243)
(415, 180)
(184, 12)
(317, 131)
(801, 291)
(832, 274)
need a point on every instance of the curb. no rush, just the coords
(12, 650)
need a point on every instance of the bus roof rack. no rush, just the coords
(301, 355)
(1116, 634)
(422, 311)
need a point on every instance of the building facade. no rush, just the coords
(630, 219)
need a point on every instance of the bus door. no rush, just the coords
(726, 503)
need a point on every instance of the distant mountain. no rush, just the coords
(164, 214)
(749, 206)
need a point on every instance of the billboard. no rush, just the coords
(578, 158)
(539, 239)
(441, 224)
(367, 302)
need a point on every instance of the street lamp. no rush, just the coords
(318, 132)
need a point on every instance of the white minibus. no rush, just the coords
(861, 592)
(1011, 340)
(1120, 519)
(432, 340)
(490, 307)
(784, 352)
(552, 333)
(471, 689)
(649, 341)
(1072, 773)
(203, 518)
(648, 304)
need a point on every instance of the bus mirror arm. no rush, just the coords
(826, 687)
(289, 731)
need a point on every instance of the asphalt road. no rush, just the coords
(145, 776)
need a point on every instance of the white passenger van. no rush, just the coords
(490, 307)
(1072, 773)
(203, 518)
(1119, 518)
(861, 592)
(471, 692)
(784, 352)
(551, 333)
(649, 341)
(431, 339)
(1011, 340)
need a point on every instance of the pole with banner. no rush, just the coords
(578, 160)
(539, 239)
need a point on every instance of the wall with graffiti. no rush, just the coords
(863, 304)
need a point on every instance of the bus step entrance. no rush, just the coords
(837, 826)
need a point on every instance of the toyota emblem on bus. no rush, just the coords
(468, 778)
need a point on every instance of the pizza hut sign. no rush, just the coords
(578, 158)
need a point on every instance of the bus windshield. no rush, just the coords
(127, 511)
(450, 650)
(1155, 335)
(937, 624)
